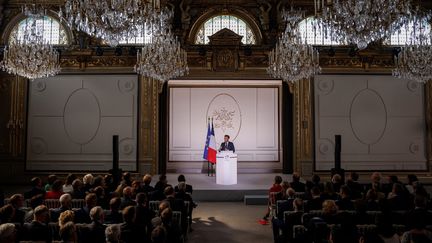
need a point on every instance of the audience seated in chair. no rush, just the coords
(51, 179)
(143, 214)
(95, 231)
(344, 202)
(82, 215)
(56, 190)
(113, 216)
(315, 203)
(127, 199)
(275, 188)
(129, 232)
(354, 186)
(65, 204)
(37, 189)
(38, 229)
(77, 190)
(159, 235)
(296, 184)
(112, 233)
(182, 179)
(17, 202)
(147, 188)
(67, 187)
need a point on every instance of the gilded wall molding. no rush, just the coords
(148, 125)
(428, 103)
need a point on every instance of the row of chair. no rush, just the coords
(52, 203)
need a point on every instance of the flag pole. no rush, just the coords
(208, 162)
(212, 168)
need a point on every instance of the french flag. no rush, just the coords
(210, 146)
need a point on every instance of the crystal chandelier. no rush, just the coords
(162, 58)
(30, 56)
(414, 61)
(291, 60)
(361, 22)
(111, 20)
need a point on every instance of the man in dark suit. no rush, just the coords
(38, 230)
(17, 201)
(227, 145)
(143, 215)
(95, 231)
(316, 202)
(36, 188)
(65, 204)
(83, 214)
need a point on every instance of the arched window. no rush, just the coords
(216, 23)
(409, 33)
(314, 33)
(53, 32)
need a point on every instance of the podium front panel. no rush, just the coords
(226, 169)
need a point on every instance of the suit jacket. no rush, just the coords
(113, 217)
(314, 204)
(230, 147)
(37, 231)
(82, 215)
(55, 213)
(34, 192)
(93, 233)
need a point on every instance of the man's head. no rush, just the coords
(36, 182)
(277, 180)
(112, 233)
(290, 192)
(163, 205)
(97, 214)
(296, 177)
(158, 235)
(41, 214)
(376, 177)
(298, 204)
(17, 201)
(77, 184)
(115, 203)
(169, 191)
(127, 192)
(147, 179)
(226, 138)
(141, 199)
(129, 214)
(7, 232)
(345, 191)
(65, 200)
(181, 178)
(91, 200)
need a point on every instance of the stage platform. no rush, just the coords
(206, 189)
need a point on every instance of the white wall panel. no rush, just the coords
(72, 119)
(249, 115)
(380, 118)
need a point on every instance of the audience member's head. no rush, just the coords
(316, 179)
(36, 182)
(36, 201)
(127, 192)
(115, 203)
(163, 205)
(41, 214)
(51, 179)
(159, 235)
(97, 214)
(163, 179)
(354, 176)
(376, 177)
(147, 179)
(290, 192)
(99, 191)
(98, 181)
(88, 179)
(91, 200)
(315, 191)
(277, 180)
(7, 233)
(328, 188)
(371, 195)
(296, 177)
(141, 199)
(181, 178)
(126, 176)
(136, 185)
(411, 178)
(298, 204)
(336, 179)
(17, 201)
(66, 216)
(7, 213)
(393, 179)
(112, 233)
(329, 207)
(68, 232)
(166, 216)
(129, 214)
(57, 186)
(345, 191)
(69, 179)
(77, 184)
(65, 200)
(169, 191)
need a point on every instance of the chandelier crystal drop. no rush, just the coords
(361, 22)
(30, 56)
(292, 60)
(112, 20)
(414, 61)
